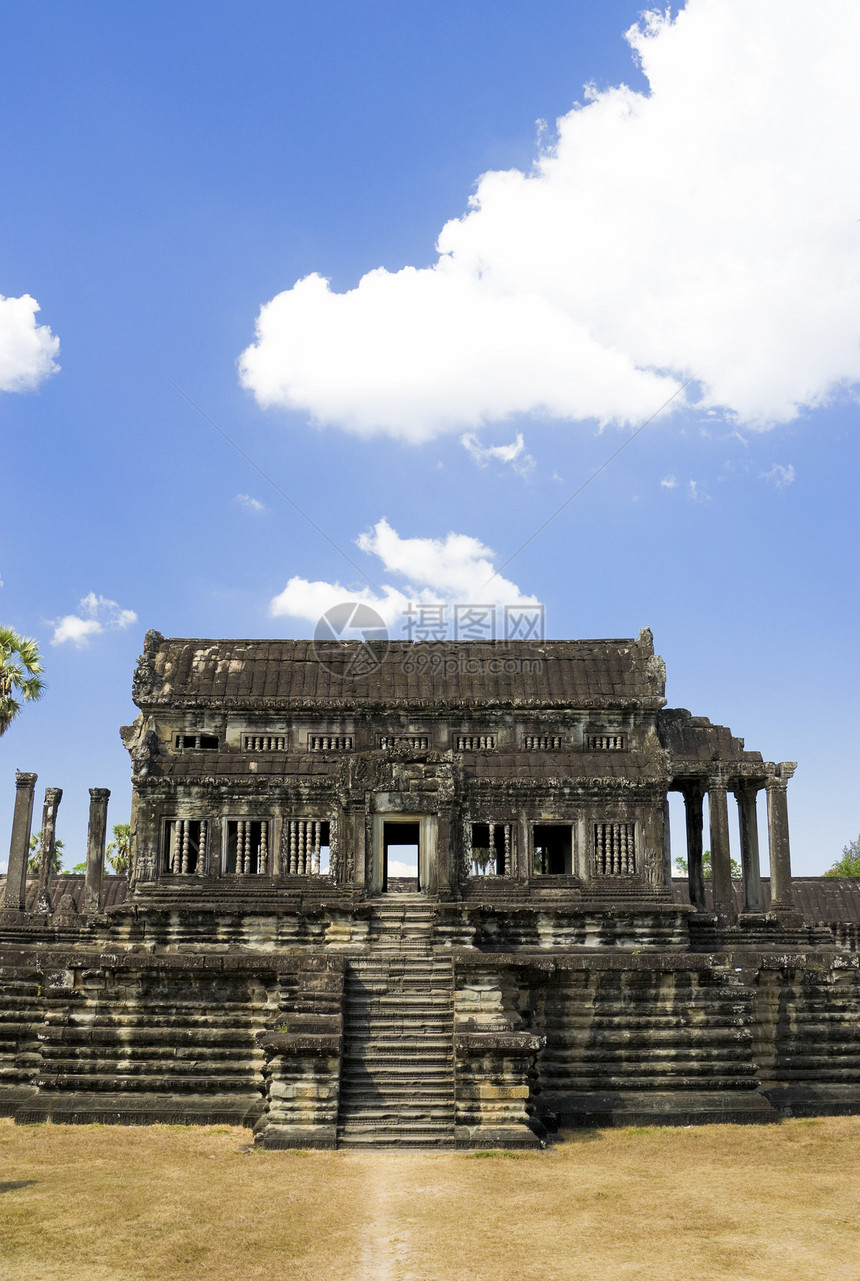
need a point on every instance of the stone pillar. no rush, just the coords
(693, 794)
(14, 899)
(777, 831)
(721, 867)
(53, 796)
(96, 837)
(745, 796)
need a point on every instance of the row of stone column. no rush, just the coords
(745, 793)
(15, 897)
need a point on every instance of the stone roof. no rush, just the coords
(292, 674)
(821, 899)
(114, 889)
(695, 741)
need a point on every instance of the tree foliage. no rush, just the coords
(117, 851)
(849, 863)
(20, 674)
(737, 870)
(34, 862)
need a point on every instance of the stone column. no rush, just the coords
(19, 849)
(721, 867)
(53, 796)
(745, 796)
(693, 794)
(96, 837)
(777, 831)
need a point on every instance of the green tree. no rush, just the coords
(117, 851)
(737, 870)
(849, 863)
(34, 862)
(20, 674)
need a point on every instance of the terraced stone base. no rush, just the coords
(140, 1109)
(620, 1108)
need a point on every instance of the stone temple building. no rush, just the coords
(421, 894)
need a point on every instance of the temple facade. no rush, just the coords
(422, 894)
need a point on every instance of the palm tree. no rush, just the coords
(20, 674)
(34, 863)
(117, 852)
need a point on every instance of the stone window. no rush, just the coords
(490, 854)
(615, 849)
(248, 850)
(552, 845)
(196, 741)
(184, 845)
(264, 742)
(330, 742)
(543, 742)
(607, 742)
(474, 742)
(302, 842)
(419, 741)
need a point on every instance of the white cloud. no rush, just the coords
(97, 614)
(697, 495)
(780, 476)
(250, 504)
(708, 228)
(27, 350)
(456, 569)
(515, 453)
(668, 482)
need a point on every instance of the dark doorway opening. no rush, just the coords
(400, 847)
(553, 850)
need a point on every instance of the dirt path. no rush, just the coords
(388, 1242)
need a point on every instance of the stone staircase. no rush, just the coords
(397, 1073)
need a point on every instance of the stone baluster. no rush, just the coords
(317, 842)
(293, 850)
(264, 849)
(491, 842)
(507, 832)
(96, 839)
(53, 796)
(778, 839)
(15, 897)
(721, 865)
(745, 795)
(186, 836)
(203, 848)
(693, 794)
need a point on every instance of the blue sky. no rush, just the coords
(173, 172)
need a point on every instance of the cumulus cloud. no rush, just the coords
(668, 482)
(457, 569)
(27, 350)
(250, 504)
(96, 614)
(515, 453)
(707, 228)
(780, 475)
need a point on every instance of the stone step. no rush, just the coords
(58, 1066)
(147, 1053)
(145, 1083)
(149, 1036)
(82, 1019)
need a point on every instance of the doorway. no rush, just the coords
(401, 856)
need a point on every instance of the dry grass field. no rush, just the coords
(93, 1203)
